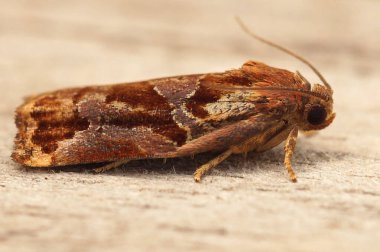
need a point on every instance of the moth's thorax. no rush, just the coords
(316, 110)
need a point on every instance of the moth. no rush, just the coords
(253, 108)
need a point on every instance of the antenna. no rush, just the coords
(270, 43)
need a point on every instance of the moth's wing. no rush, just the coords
(145, 119)
(97, 124)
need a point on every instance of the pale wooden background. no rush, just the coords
(242, 206)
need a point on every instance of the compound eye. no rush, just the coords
(316, 115)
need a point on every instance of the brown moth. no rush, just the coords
(252, 108)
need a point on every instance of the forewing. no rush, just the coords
(157, 118)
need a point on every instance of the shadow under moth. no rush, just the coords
(252, 108)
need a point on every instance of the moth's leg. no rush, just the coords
(289, 149)
(112, 165)
(211, 164)
(243, 148)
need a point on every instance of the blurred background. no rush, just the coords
(47, 45)
(60, 43)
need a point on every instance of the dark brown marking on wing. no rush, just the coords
(51, 128)
(204, 94)
(236, 79)
(161, 122)
(138, 94)
(143, 107)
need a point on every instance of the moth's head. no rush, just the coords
(318, 109)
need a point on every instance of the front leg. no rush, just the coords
(290, 145)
